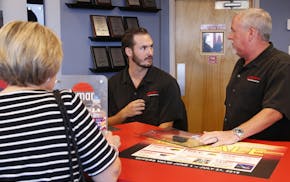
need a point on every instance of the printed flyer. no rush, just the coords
(182, 149)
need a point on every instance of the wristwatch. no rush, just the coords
(238, 132)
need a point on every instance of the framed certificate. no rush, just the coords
(103, 2)
(148, 3)
(101, 58)
(99, 25)
(130, 22)
(133, 3)
(116, 26)
(118, 60)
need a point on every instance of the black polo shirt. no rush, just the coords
(159, 90)
(263, 83)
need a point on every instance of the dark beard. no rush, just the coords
(136, 61)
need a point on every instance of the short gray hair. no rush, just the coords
(259, 19)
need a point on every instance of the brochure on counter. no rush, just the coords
(179, 148)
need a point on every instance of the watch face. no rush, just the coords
(239, 132)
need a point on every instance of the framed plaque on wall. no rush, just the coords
(117, 58)
(148, 4)
(130, 22)
(103, 2)
(99, 25)
(133, 3)
(84, 1)
(100, 58)
(116, 26)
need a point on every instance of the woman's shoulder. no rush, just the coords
(67, 94)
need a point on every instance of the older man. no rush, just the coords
(257, 96)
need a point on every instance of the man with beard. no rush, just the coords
(142, 92)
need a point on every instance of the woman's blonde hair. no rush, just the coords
(29, 53)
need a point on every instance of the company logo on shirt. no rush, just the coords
(152, 93)
(84, 90)
(254, 79)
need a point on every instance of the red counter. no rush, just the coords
(141, 171)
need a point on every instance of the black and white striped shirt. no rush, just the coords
(33, 145)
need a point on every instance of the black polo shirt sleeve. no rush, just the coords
(277, 92)
(171, 103)
(114, 93)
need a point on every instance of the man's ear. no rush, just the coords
(128, 51)
(253, 33)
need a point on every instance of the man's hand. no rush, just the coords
(217, 138)
(134, 108)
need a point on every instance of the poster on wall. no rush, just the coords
(212, 42)
(212, 39)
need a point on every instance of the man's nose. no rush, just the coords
(150, 50)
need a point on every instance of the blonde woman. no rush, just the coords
(33, 145)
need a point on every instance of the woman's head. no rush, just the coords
(30, 53)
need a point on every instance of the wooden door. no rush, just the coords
(206, 75)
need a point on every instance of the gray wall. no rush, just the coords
(280, 12)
